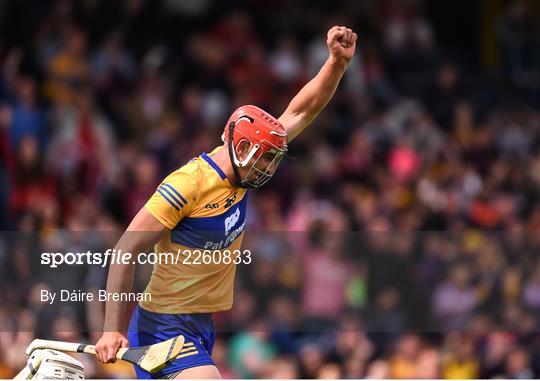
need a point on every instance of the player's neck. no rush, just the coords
(223, 161)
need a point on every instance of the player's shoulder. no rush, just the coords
(191, 168)
(187, 178)
(200, 167)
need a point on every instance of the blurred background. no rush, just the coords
(400, 238)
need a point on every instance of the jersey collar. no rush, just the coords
(213, 164)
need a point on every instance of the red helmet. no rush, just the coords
(265, 135)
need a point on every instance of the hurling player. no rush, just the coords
(202, 205)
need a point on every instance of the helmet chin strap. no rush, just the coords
(238, 180)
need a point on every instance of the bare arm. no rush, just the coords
(316, 94)
(143, 232)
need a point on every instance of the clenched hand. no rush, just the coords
(341, 43)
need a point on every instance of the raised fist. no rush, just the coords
(341, 43)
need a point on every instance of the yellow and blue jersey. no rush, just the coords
(203, 211)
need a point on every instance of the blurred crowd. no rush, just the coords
(399, 237)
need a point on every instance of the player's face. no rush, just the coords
(260, 169)
(267, 163)
(257, 166)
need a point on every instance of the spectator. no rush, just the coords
(25, 116)
(82, 146)
(531, 290)
(68, 70)
(518, 38)
(250, 353)
(518, 365)
(455, 299)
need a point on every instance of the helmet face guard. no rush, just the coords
(256, 177)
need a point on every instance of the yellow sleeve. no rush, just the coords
(173, 198)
